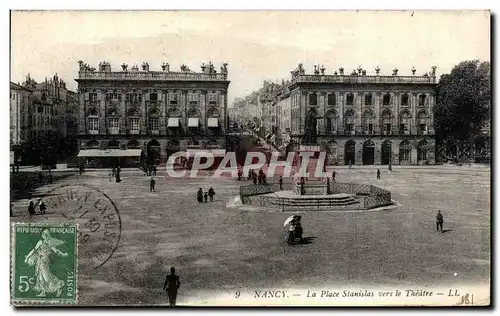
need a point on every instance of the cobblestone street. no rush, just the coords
(219, 250)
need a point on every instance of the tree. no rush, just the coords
(463, 105)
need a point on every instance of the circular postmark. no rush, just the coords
(99, 221)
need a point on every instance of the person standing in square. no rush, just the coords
(439, 221)
(152, 185)
(171, 285)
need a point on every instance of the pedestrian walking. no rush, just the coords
(113, 171)
(281, 182)
(439, 221)
(171, 285)
(206, 197)
(152, 185)
(378, 173)
(154, 170)
(42, 206)
(199, 195)
(31, 209)
(211, 193)
(333, 175)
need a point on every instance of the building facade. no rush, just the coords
(359, 118)
(159, 112)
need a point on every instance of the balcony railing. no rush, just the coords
(114, 130)
(93, 131)
(92, 103)
(154, 132)
(355, 79)
(151, 75)
(134, 131)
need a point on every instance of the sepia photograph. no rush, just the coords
(181, 158)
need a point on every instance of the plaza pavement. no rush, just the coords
(219, 250)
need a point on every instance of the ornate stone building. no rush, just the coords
(159, 112)
(365, 119)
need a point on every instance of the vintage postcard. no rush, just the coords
(250, 158)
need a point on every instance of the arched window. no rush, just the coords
(387, 122)
(367, 121)
(404, 122)
(133, 144)
(113, 144)
(404, 152)
(422, 150)
(349, 121)
(423, 122)
(331, 122)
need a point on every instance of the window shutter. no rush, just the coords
(147, 96)
(108, 97)
(86, 96)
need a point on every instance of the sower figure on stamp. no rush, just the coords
(39, 257)
(439, 221)
(171, 285)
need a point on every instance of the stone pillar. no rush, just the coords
(203, 108)
(378, 151)
(144, 117)
(123, 113)
(413, 153)
(163, 115)
(340, 102)
(82, 111)
(102, 114)
(395, 97)
(378, 127)
(395, 151)
(181, 101)
(431, 154)
(430, 106)
(359, 152)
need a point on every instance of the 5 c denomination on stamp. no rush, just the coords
(44, 263)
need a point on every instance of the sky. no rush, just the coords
(257, 45)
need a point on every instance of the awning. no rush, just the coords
(213, 122)
(214, 152)
(193, 122)
(110, 153)
(173, 122)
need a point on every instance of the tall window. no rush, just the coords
(172, 97)
(133, 123)
(313, 99)
(193, 98)
(368, 99)
(405, 99)
(212, 98)
(331, 99)
(350, 99)
(154, 124)
(421, 99)
(93, 97)
(93, 124)
(133, 97)
(386, 99)
(153, 97)
(387, 128)
(114, 123)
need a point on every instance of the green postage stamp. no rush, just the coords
(44, 263)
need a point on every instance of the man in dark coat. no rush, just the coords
(439, 221)
(281, 182)
(171, 285)
(152, 184)
(211, 193)
(199, 195)
(378, 173)
(333, 175)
